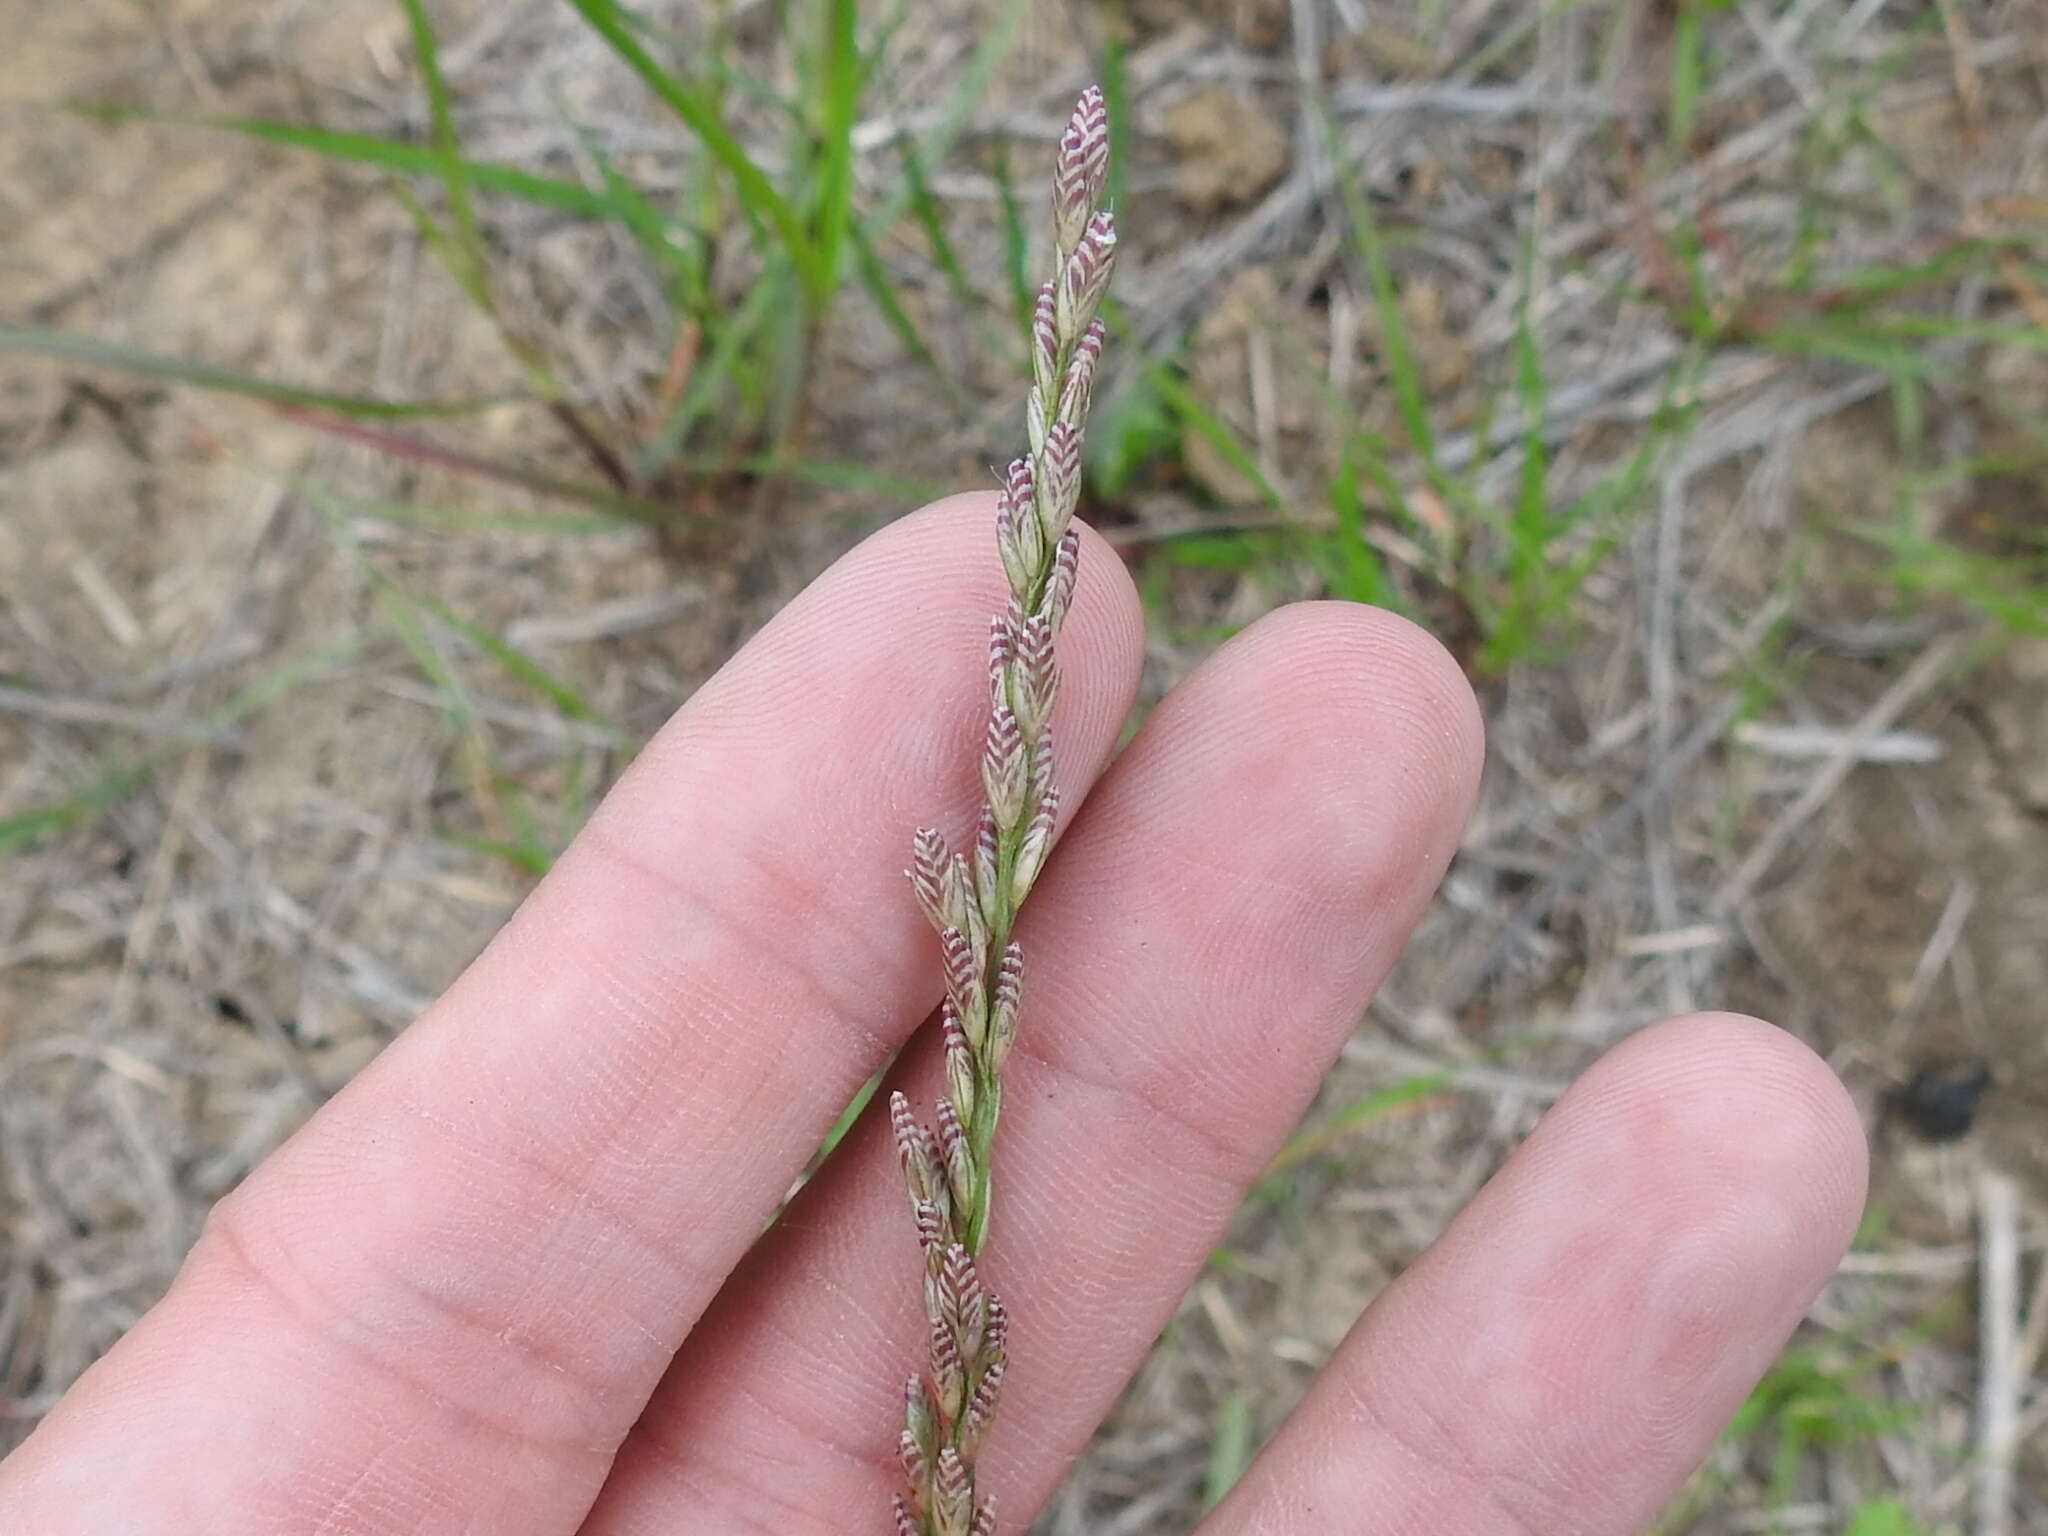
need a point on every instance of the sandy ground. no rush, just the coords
(1750, 777)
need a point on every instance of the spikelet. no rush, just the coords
(972, 898)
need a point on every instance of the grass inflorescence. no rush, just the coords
(972, 898)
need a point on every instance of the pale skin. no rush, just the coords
(512, 1282)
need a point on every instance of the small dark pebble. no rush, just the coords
(1940, 1102)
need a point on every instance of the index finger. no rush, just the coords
(443, 1303)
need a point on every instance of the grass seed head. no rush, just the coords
(1085, 278)
(973, 898)
(1081, 165)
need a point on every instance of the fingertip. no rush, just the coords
(1710, 1132)
(1756, 1102)
(1385, 669)
(1376, 718)
(1294, 802)
(1407, 655)
(1564, 1355)
(887, 649)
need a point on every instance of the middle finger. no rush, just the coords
(1230, 897)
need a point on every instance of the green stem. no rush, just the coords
(981, 1125)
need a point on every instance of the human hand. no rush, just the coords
(512, 1280)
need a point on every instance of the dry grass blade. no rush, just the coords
(1929, 669)
(1998, 1399)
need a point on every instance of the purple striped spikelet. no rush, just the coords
(972, 899)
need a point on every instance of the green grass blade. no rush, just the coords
(763, 204)
(681, 267)
(1941, 328)
(768, 296)
(1882, 1517)
(1862, 285)
(1217, 434)
(447, 249)
(452, 169)
(997, 35)
(109, 788)
(1016, 243)
(1357, 574)
(875, 278)
(526, 852)
(93, 352)
(1855, 343)
(115, 782)
(1688, 73)
(2010, 589)
(389, 155)
(1544, 586)
(925, 209)
(462, 251)
(781, 384)
(1351, 565)
(839, 104)
(883, 41)
(1410, 395)
(1368, 451)
(848, 1117)
(482, 520)
(1230, 1447)
(1116, 101)
(1530, 530)
(566, 699)
(1307, 1143)
(401, 611)
(405, 615)
(1133, 427)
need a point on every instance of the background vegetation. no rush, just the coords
(406, 402)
